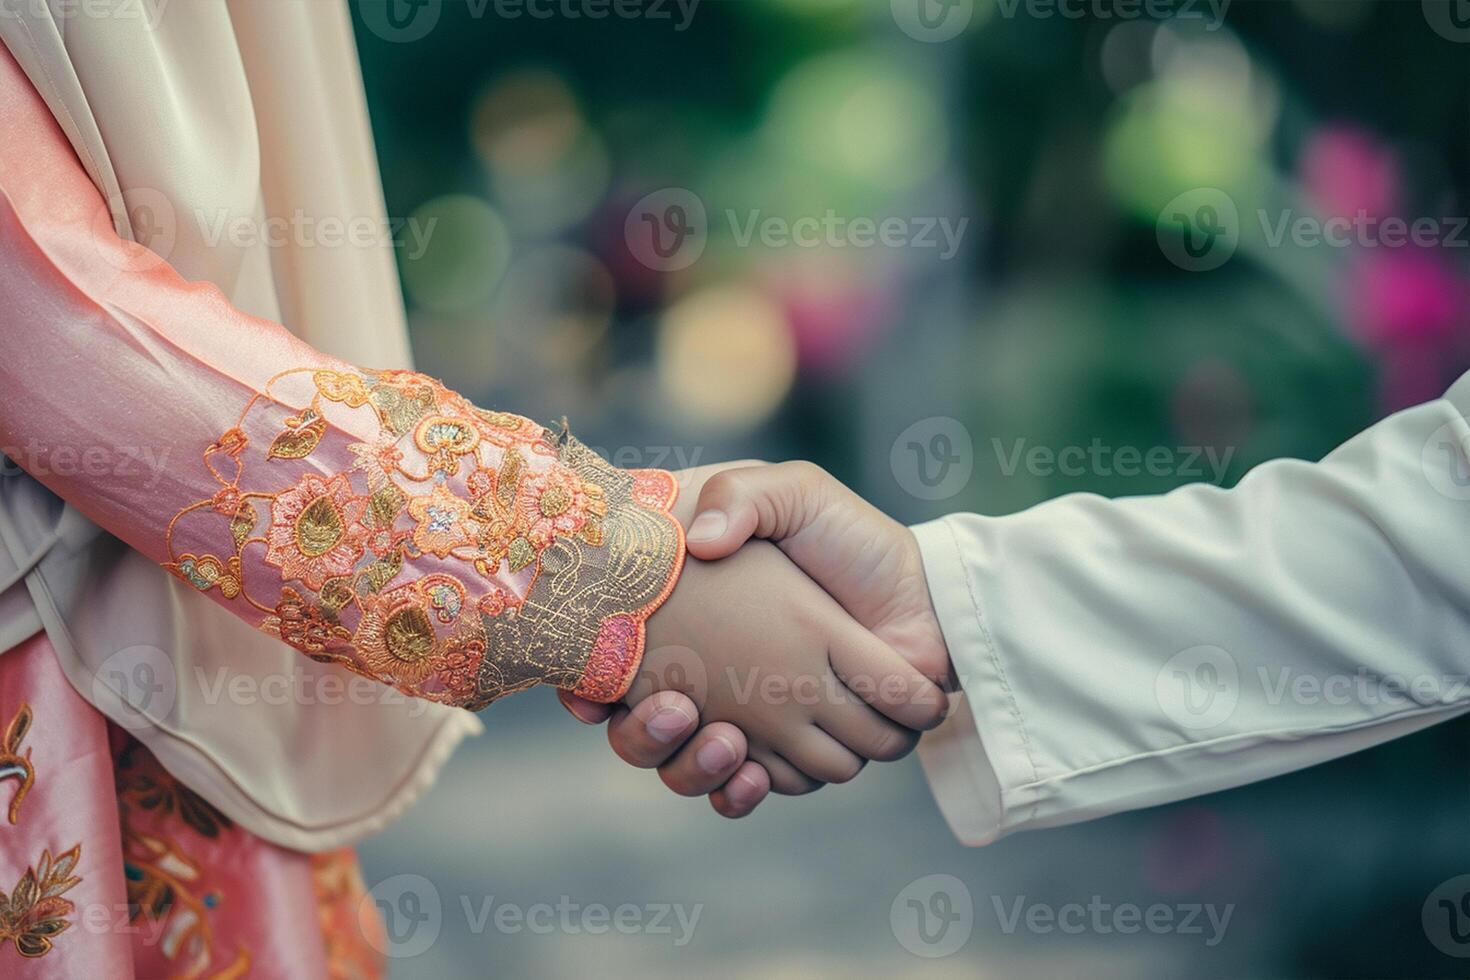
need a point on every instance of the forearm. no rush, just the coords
(1118, 654)
(371, 518)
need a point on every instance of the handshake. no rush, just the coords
(786, 663)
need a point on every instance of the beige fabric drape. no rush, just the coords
(202, 122)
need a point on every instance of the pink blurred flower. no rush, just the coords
(1345, 170)
(1405, 296)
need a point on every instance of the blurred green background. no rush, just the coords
(1095, 290)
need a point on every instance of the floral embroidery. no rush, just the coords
(35, 913)
(13, 765)
(165, 885)
(351, 929)
(443, 521)
(457, 553)
(316, 530)
(551, 504)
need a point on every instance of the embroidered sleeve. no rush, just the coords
(373, 519)
(456, 553)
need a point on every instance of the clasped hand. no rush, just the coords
(786, 663)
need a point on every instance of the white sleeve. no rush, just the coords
(1126, 653)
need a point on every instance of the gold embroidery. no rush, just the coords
(352, 931)
(587, 550)
(35, 913)
(165, 885)
(13, 765)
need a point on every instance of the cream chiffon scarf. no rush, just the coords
(190, 115)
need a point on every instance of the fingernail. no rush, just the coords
(716, 755)
(708, 526)
(586, 713)
(741, 791)
(668, 724)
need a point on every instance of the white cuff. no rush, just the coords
(982, 747)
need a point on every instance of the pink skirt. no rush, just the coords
(111, 868)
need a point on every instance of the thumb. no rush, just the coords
(774, 502)
(587, 712)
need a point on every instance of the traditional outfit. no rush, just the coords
(158, 414)
(1117, 654)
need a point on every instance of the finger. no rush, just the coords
(706, 762)
(773, 502)
(866, 732)
(786, 779)
(650, 733)
(873, 671)
(822, 757)
(587, 712)
(743, 792)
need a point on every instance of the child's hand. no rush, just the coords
(754, 642)
(864, 559)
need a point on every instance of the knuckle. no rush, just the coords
(895, 744)
(679, 782)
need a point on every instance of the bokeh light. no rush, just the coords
(468, 249)
(726, 358)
